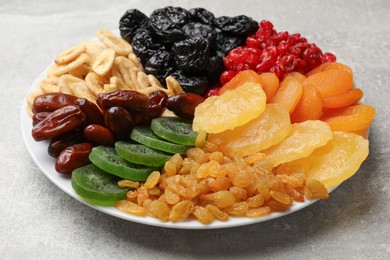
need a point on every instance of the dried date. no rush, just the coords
(120, 122)
(91, 111)
(61, 121)
(133, 101)
(183, 105)
(99, 135)
(73, 157)
(51, 102)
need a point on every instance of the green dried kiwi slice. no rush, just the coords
(108, 160)
(174, 130)
(97, 186)
(141, 154)
(145, 135)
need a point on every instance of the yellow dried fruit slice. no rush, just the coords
(338, 160)
(231, 109)
(303, 139)
(270, 128)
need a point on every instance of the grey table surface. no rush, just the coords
(40, 221)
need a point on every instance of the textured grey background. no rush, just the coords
(39, 221)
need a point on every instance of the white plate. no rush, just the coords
(38, 151)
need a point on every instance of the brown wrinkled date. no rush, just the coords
(38, 117)
(183, 105)
(133, 101)
(59, 143)
(59, 122)
(119, 121)
(99, 135)
(51, 102)
(73, 157)
(157, 106)
(91, 111)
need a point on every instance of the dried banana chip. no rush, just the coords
(94, 49)
(95, 83)
(139, 78)
(110, 88)
(118, 83)
(120, 46)
(49, 85)
(58, 70)
(151, 89)
(104, 62)
(173, 85)
(122, 68)
(81, 71)
(70, 54)
(80, 90)
(154, 81)
(134, 59)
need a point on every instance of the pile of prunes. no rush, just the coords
(189, 45)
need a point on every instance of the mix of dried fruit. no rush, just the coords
(259, 119)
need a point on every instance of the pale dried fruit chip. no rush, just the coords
(103, 63)
(95, 83)
(58, 70)
(173, 85)
(120, 46)
(303, 139)
(70, 54)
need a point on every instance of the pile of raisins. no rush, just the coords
(189, 45)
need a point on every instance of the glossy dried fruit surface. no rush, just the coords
(288, 94)
(337, 161)
(270, 128)
(232, 109)
(331, 82)
(303, 139)
(351, 118)
(309, 106)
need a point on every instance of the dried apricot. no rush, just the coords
(309, 106)
(345, 99)
(329, 66)
(268, 81)
(301, 142)
(258, 134)
(229, 110)
(350, 119)
(331, 82)
(288, 94)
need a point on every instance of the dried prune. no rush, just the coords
(215, 68)
(161, 65)
(225, 43)
(144, 46)
(167, 23)
(130, 22)
(199, 30)
(192, 54)
(241, 25)
(202, 15)
(197, 84)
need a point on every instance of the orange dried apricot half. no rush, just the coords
(329, 66)
(345, 99)
(349, 119)
(309, 106)
(288, 94)
(331, 82)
